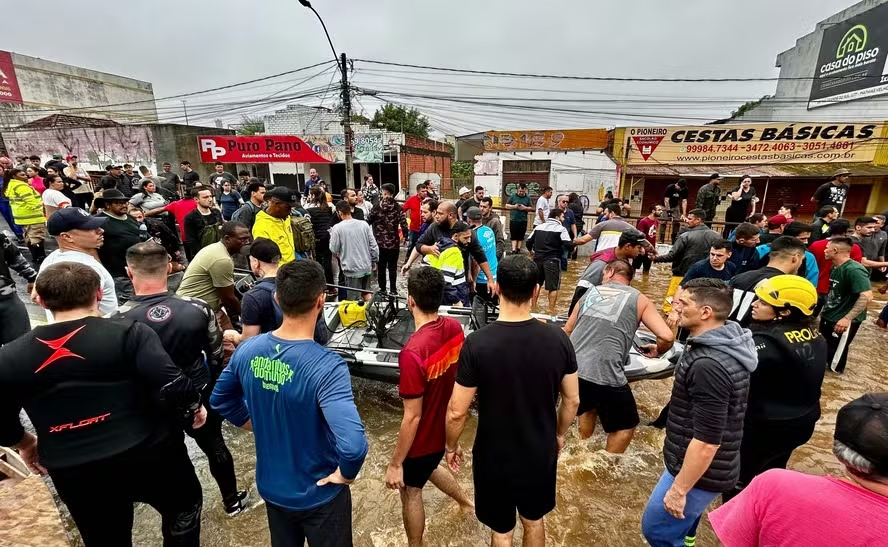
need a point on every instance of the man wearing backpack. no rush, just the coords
(274, 223)
(260, 312)
(202, 225)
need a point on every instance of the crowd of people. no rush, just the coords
(135, 356)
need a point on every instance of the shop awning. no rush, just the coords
(796, 170)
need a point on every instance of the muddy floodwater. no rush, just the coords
(600, 497)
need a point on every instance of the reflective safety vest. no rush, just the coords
(26, 204)
(450, 262)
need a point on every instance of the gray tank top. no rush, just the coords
(602, 337)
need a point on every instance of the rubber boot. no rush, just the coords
(38, 253)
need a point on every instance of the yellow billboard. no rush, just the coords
(753, 144)
(554, 139)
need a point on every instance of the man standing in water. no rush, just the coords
(428, 371)
(520, 434)
(192, 338)
(297, 398)
(707, 408)
(602, 328)
(90, 386)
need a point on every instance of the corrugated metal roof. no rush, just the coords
(795, 170)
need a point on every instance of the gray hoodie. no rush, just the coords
(732, 340)
(709, 402)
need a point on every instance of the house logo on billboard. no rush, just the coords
(852, 42)
(851, 53)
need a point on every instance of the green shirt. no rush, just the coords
(515, 215)
(846, 282)
(210, 270)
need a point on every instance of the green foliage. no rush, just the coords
(360, 118)
(401, 119)
(746, 107)
(251, 126)
(462, 169)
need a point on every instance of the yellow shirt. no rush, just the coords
(278, 230)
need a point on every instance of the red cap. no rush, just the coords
(69, 158)
(777, 220)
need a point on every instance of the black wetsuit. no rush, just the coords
(91, 388)
(188, 330)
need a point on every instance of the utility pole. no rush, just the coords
(346, 123)
(185, 108)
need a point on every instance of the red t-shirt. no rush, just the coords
(649, 228)
(179, 209)
(825, 265)
(783, 508)
(428, 370)
(413, 207)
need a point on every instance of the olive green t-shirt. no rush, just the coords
(846, 282)
(212, 268)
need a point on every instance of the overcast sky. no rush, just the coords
(183, 46)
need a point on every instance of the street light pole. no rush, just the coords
(345, 93)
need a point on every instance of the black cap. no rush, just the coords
(265, 250)
(72, 218)
(862, 425)
(474, 213)
(715, 176)
(284, 194)
(632, 236)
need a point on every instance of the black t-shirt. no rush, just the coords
(187, 329)
(830, 194)
(190, 178)
(676, 195)
(90, 387)
(257, 306)
(517, 369)
(120, 235)
(357, 214)
(744, 292)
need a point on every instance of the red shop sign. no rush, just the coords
(257, 149)
(9, 88)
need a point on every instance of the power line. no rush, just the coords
(182, 95)
(596, 78)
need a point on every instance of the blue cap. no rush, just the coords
(72, 218)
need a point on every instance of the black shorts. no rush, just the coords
(517, 230)
(549, 274)
(497, 497)
(327, 525)
(615, 406)
(418, 470)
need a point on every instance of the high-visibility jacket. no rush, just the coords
(452, 264)
(26, 204)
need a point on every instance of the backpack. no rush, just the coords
(209, 234)
(303, 234)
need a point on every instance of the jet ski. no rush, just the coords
(370, 348)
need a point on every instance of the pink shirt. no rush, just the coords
(787, 508)
(37, 184)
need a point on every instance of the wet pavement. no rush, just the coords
(600, 496)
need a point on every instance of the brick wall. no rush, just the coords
(419, 155)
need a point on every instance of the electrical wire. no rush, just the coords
(596, 78)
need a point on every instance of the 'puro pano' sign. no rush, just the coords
(257, 149)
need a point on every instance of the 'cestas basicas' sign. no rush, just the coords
(257, 149)
(755, 144)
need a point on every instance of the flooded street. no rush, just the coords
(600, 497)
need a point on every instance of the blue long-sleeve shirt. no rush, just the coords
(303, 413)
(809, 269)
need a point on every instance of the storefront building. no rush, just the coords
(787, 162)
(568, 160)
